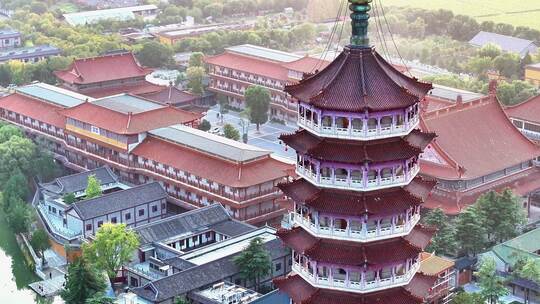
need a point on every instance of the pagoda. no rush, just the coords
(354, 230)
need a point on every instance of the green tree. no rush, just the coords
(502, 215)
(93, 187)
(180, 300)
(213, 10)
(19, 216)
(16, 188)
(16, 154)
(69, 198)
(470, 232)
(508, 65)
(112, 247)
(467, 298)
(195, 76)
(258, 104)
(82, 283)
(528, 268)
(196, 60)
(490, 50)
(45, 166)
(231, 132)
(205, 125)
(443, 242)
(100, 299)
(491, 285)
(514, 92)
(7, 131)
(40, 242)
(154, 54)
(254, 262)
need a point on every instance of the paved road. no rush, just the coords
(266, 138)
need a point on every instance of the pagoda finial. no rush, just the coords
(360, 16)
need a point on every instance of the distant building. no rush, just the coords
(441, 97)
(526, 117)
(103, 4)
(175, 97)
(232, 72)
(477, 149)
(509, 44)
(107, 75)
(171, 37)
(147, 12)
(29, 54)
(224, 293)
(443, 269)
(143, 141)
(9, 38)
(532, 74)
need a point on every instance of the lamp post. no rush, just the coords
(244, 125)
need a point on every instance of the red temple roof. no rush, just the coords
(172, 95)
(353, 151)
(212, 168)
(102, 68)
(528, 110)
(129, 123)
(421, 285)
(474, 139)
(139, 88)
(358, 80)
(34, 108)
(353, 203)
(357, 254)
(301, 292)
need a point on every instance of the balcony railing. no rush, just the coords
(360, 286)
(380, 131)
(352, 234)
(348, 183)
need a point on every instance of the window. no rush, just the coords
(154, 208)
(88, 227)
(141, 212)
(163, 207)
(114, 220)
(278, 267)
(94, 130)
(128, 216)
(99, 223)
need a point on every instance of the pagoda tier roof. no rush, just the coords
(353, 203)
(302, 292)
(397, 249)
(354, 151)
(359, 79)
(475, 139)
(103, 68)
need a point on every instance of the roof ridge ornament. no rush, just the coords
(360, 22)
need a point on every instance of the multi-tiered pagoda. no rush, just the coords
(355, 230)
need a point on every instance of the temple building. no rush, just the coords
(144, 141)
(526, 117)
(242, 66)
(107, 75)
(354, 230)
(478, 149)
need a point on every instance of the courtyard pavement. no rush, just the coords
(266, 138)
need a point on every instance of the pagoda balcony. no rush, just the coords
(358, 126)
(352, 279)
(355, 229)
(357, 178)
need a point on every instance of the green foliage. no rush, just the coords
(16, 154)
(205, 125)
(231, 132)
(502, 215)
(491, 285)
(196, 60)
(100, 299)
(82, 283)
(154, 54)
(40, 241)
(112, 247)
(180, 300)
(16, 188)
(510, 93)
(490, 50)
(93, 187)
(19, 216)
(258, 104)
(195, 76)
(69, 198)
(7, 131)
(467, 298)
(527, 268)
(254, 262)
(45, 167)
(470, 232)
(444, 240)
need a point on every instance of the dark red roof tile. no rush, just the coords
(34, 108)
(358, 152)
(359, 79)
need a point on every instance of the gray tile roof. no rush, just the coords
(9, 33)
(201, 276)
(125, 103)
(78, 182)
(119, 200)
(179, 263)
(507, 43)
(213, 217)
(29, 52)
